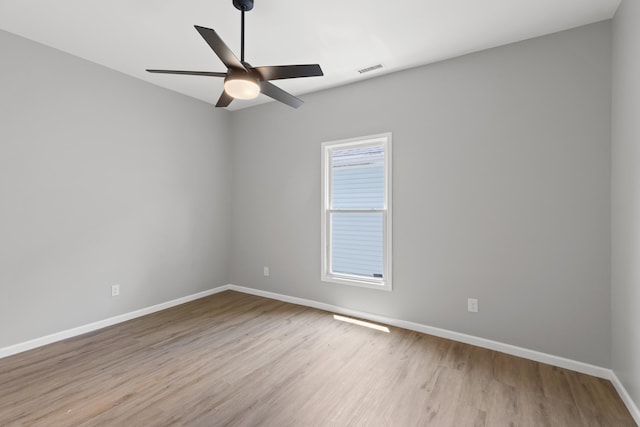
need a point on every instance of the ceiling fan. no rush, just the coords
(242, 81)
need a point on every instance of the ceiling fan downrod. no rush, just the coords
(243, 6)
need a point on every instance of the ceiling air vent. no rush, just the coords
(368, 69)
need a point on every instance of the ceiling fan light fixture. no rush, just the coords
(242, 81)
(241, 87)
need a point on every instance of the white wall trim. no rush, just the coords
(561, 362)
(443, 333)
(73, 332)
(537, 356)
(626, 398)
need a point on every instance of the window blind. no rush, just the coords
(357, 225)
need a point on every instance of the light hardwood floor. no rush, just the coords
(240, 360)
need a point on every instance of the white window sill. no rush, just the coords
(355, 281)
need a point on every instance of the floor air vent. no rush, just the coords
(368, 69)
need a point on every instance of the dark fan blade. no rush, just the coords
(190, 73)
(289, 71)
(222, 50)
(224, 100)
(278, 94)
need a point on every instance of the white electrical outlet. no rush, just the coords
(115, 290)
(472, 305)
(266, 271)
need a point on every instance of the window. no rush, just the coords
(356, 211)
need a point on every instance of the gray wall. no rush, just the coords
(502, 168)
(104, 179)
(626, 197)
(501, 192)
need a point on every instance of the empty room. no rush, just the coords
(286, 213)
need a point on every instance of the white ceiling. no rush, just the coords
(342, 36)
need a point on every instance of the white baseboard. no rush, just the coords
(626, 398)
(561, 362)
(537, 356)
(69, 333)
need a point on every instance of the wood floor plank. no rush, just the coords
(240, 360)
(502, 405)
(555, 384)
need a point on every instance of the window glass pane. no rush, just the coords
(357, 243)
(357, 178)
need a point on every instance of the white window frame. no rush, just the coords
(346, 279)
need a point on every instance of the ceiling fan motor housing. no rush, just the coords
(243, 5)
